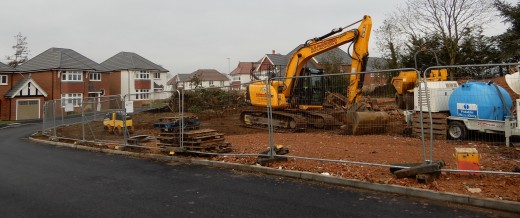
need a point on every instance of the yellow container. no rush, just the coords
(467, 159)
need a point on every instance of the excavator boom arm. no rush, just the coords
(359, 37)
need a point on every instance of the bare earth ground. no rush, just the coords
(392, 148)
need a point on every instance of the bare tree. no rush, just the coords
(21, 51)
(452, 20)
(389, 40)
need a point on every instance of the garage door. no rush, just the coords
(28, 109)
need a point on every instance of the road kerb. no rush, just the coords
(503, 205)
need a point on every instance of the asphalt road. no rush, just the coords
(39, 180)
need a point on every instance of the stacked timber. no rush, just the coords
(439, 123)
(193, 138)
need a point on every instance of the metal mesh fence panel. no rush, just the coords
(79, 118)
(148, 100)
(48, 120)
(325, 123)
(211, 117)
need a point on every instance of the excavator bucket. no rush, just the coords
(359, 118)
(362, 123)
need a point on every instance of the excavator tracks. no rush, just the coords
(282, 121)
(320, 120)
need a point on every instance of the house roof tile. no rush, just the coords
(243, 68)
(6, 68)
(209, 75)
(60, 58)
(278, 59)
(130, 61)
(179, 78)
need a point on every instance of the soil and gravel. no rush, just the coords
(389, 148)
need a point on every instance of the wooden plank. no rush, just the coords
(427, 126)
(435, 121)
(427, 131)
(188, 138)
(204, 143)
(169, 134)
(167, 145)
(435, 115)
(200, 131)
(207, 137)
(439, 125)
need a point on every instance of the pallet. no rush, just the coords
(439, 125)
(190, 133)
(195, 140)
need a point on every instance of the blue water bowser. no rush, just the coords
(480, 100)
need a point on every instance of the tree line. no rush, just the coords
(452, 30)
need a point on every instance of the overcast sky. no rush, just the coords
(182, 36)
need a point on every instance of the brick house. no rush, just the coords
(242, 74)
(20, 98)
(136, 77)
(57, 73)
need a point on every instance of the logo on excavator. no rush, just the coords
(324, 45)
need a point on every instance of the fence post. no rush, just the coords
(54, 116)
(269, 118)
(82, 122)
(45, 110)
(181, 136)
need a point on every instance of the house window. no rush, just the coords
(94, 76)
(71, 76)
(210, 83)
(156, 75)
(3, 79)
(221, 83)
(142, 94)
(143, 74)
(71, 98)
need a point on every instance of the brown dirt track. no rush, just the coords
(382, 149)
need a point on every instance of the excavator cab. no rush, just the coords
(309, 90)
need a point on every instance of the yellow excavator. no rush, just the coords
(293, 109)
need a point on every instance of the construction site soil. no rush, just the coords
(391, 148)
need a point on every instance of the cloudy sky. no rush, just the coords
(182, 36)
